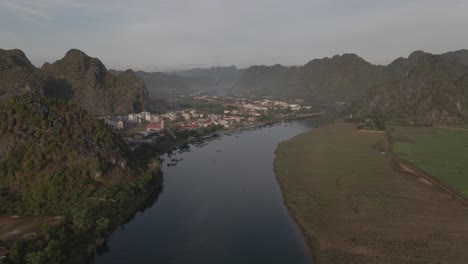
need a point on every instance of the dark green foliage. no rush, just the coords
(58, 160)
(55, 153)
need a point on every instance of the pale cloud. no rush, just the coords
(173, 33)
(43, 9)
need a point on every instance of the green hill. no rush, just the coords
(56, 159)
(55, 155)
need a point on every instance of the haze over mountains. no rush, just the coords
(214, 79)
(422, 87)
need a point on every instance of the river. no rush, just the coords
(221, 203)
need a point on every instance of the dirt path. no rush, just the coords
(14, 227)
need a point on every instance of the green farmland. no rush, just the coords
(440, 152)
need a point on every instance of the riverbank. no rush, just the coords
(193, 222)
(167, 144)
(355, 205)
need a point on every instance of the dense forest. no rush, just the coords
(56, 159)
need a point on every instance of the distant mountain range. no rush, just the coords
(423, 87)
(342, 77)
(162, 84)
(224, 77)
(77, 78)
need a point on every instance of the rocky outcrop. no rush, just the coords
(86, 81)
(342, 77)
(429, 89)
(17, 74)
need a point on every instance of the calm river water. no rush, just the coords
(220, 204)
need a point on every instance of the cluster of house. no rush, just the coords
(212, 119)
(241, 112)
(267, 104)
(144, 117)
(120, 122)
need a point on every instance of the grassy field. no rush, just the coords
(356, 205)
(441, 152)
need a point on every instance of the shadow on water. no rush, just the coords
(149, 201)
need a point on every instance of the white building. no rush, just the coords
(119, 125)
(115, 124)
(186, 116)
(171, 116)
(295, 107)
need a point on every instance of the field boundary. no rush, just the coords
(307, 234)
(421, 173)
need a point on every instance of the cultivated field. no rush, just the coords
(356, 205)
(441, 152)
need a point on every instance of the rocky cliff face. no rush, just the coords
(459, 56)
(263, 80)
(17, 74)
(342, 77)
(423, 88)
(77, 78)
(85, 80)
(428, 89)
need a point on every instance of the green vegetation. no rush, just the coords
(441, 152)
(58, 160)
(355, 206)
(200, 105)
(423, 89)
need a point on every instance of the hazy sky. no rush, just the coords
(169, 34)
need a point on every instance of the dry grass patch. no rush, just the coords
(355, 207)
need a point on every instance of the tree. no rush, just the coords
(102, 224)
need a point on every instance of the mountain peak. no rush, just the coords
(75, 53)
(14, 57)
(417, 54)
(346, 56)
